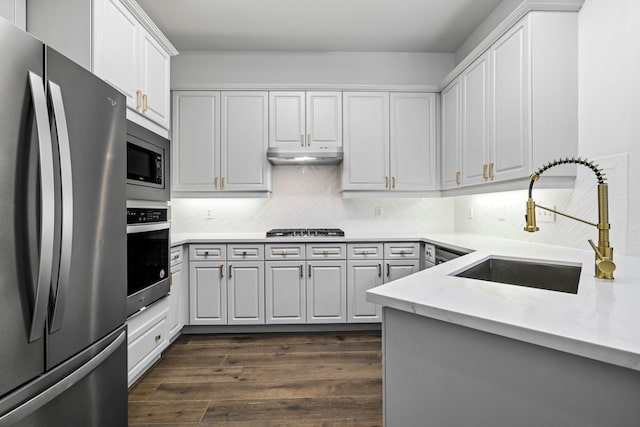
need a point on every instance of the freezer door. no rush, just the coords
(89, 295)
(88, 390)
(20, 360)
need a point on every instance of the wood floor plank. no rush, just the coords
(279, 338)
(163, 412)
(239, 348)
(191, 361)
(302, 372)
(309, 359)
(141, 391)
(294, 409)
(193, 375)
(267, 390)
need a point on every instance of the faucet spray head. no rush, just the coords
(530, 217)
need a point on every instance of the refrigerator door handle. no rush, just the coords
(60, 119)
(30, 406)
(47, 205)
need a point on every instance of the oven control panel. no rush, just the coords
(146, 215)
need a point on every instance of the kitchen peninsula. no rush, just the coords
(460, 351)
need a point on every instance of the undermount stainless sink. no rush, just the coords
(521, 272)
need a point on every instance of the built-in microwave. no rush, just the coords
(147, 164)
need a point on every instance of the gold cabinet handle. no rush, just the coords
(175, 257)
(301, 140)
(145, 105)
(386, 182)
(309, 140)
(138, 104)
(388, 270)
(230, 271)
(326, 252)
(222, 183)
(309, 270)
(215, 182)
(393, 182)
(221, 271)
(301, 270)
(458, 178)
(484, 172)
(379, 270)
(491, 171)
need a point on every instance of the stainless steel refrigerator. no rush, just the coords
(63, 351)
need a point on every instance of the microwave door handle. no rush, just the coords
(60, 119)
(47, 208)
(132, 229)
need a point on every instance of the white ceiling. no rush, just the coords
(318, 25)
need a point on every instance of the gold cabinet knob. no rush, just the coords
(244, 253)
(326, 252)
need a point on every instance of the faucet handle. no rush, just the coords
(604, 264)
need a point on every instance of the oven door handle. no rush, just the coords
(144, 228)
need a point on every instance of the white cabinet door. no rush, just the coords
(450, 140)
(413, 141)
(154, 79)
(475, 121)
(285, 292)
(396, 269)
(510, 98)
(175, 297)
(14, 11)
(208, 293)
(366, 141)
(326, 292)
(323, 119)
(196, 141)
(244, 133)
(287, 120)
(245, 293)
(362, 276)
(116, 48)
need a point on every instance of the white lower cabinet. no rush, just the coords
(285, 292)
(147, 337)
(396, 269)
(363, 275)
(178, 295)
(245, 293)
(326, 291)
(208, 293)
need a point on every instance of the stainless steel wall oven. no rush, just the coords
(147, 255)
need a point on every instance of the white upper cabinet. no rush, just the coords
(366, 141)
(219, 142)
(413, 141)
(244, 133)
(14, 11)
(129, 57)
(515, 106)
(305, 121)
(389, 141)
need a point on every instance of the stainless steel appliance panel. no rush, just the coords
(149, 141)
(91, 291)
(20, 359)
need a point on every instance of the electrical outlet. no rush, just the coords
(209, 214)
(378, 212)
(543, 215)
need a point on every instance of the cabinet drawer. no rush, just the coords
(147, 333)
(176, 255)
(326, 251)
(284, 251)
(207, 252)
(245, 252)
(364, 251)
(409, 250)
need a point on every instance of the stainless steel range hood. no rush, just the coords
(320, 156)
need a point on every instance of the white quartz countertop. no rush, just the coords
(601, 321)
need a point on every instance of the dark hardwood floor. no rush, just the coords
(301, 380)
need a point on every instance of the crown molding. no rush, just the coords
(520, 12)
(149, 25)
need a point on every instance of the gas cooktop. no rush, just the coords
(305, 232)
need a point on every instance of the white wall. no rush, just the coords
(309, 196)
(193, 69)
(609, 131)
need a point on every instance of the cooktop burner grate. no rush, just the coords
(305, 232)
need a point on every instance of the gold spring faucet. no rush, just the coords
(604, 265)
